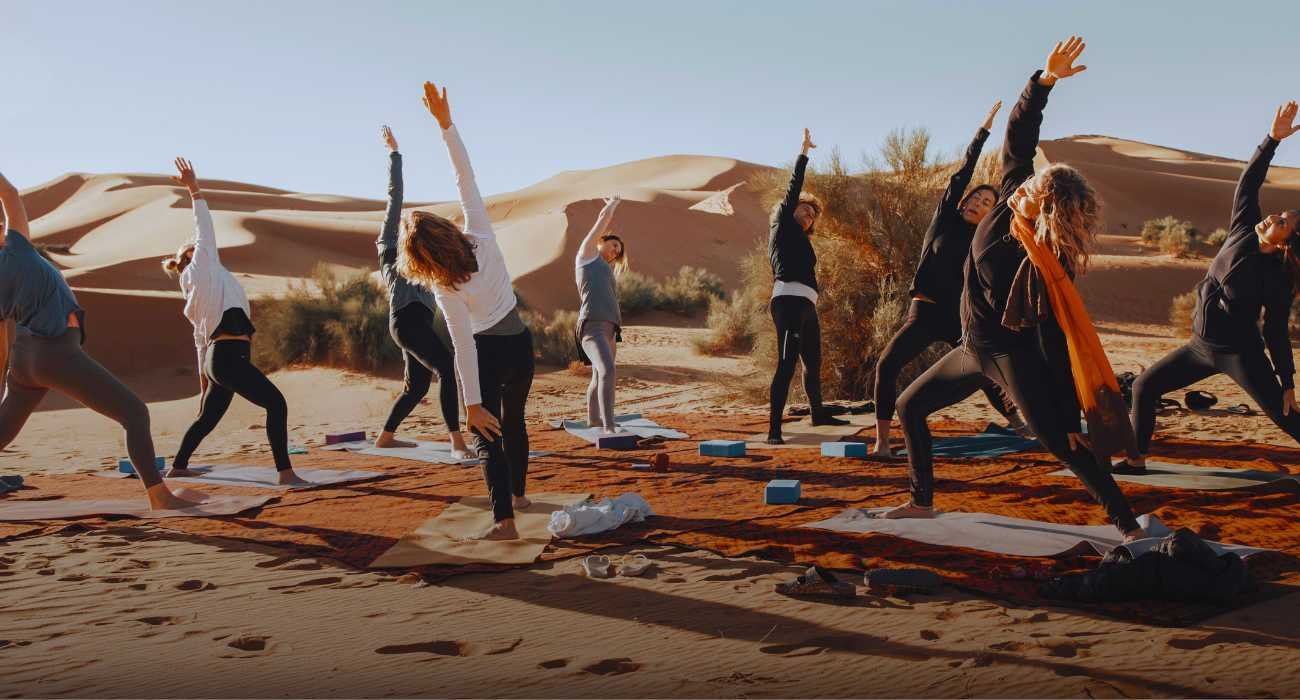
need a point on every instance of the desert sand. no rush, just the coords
(134, 609)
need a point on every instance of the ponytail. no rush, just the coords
(174, 265)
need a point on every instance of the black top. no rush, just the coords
(995, 256)
(1242, 281)
(947, 242)
(789, 247)
(234, 322)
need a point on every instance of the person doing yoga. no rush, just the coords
(416, 325)
(1011, 334)
(1257, 269)
(794, 299)
(493, 348)
(935, 315)
(217, 307)
(47, 352)
(600, 259)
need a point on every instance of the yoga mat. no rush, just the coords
(995, 441)
(1003, 535)
(1186, 476)
(803, 434)
(640, 427)
(619, 418)
(60, 509)
(445, 539)
(265, 477)
(424, 451)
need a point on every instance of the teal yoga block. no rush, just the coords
(722, 448)
(781, 491)
(124, 465)
(844, 449)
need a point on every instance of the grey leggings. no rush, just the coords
(38, 364)
(598, 343)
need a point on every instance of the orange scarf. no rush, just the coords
(1109, 429)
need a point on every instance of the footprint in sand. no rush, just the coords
(612, 667)
(194, 585)
(454, 648)
(548, 665)
(73, 577)
(250, 644)
(159, 620)
(325, 581)
(929, 635)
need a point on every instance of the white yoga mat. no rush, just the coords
(1186, 476)
(265, 477)
(1003, 535)
(631, 423)
(68, 509)
(424, 451)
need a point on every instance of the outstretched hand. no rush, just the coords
(438, 105)
(807, 142)
(1060, 62)
(611, 203)
(1284, 122)
(389, 139)
(988, 121)
(186, 177)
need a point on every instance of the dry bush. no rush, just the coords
(1180, 313)
(554, 338)
(689, 291)
(1176, 242)
(1171, 235)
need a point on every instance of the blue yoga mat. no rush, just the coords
(995, 441)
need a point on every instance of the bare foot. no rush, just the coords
(504, 530)
(387, 441)
(1134, 535)
(522, 502)
(907, 510)
(289, 478)
(882, 450)
(459, 449)
(176, 472)
(162, 498)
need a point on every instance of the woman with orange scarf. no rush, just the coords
(1024, 325)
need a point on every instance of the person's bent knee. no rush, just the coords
(136, 415)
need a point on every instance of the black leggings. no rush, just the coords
(1024, 376)
(424, 354)
(230, 371)
(505, 375)
(798, 337)
(1196, 361)
(926, 324)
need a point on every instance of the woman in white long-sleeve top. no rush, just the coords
(601, 258)
(493, 348)
(217, 306)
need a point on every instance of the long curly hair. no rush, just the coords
(1070, 218)
(435, 252)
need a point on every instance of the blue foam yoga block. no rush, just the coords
(124, 465)
(621, 441)
(844, 449)
(781, 491)
(722, 448)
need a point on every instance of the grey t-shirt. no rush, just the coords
(33, 293)
(598, 292)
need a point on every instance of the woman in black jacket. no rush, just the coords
(1258, 268)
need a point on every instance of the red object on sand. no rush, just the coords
(660, 461)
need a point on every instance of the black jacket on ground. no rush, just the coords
(789, 247)
(947, 241)
(1242, 281)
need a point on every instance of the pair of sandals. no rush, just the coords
(818, 582)
(600, 566)
(1202, 401)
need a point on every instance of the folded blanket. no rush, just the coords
(588, 518)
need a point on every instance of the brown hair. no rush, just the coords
(434, 252)
(621, 262)
(174, 265)
(1070, 218)
(979, 188)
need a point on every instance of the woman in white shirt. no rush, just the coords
(492, 346)
(216, 305)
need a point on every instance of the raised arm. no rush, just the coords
(477, 222)
(387, 243)
(795, 188)
(590, 247)
(960, 180)
(1246, 212)
(205, 234)
(1026, 118)
(14, 212)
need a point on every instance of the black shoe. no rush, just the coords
(1126, 469)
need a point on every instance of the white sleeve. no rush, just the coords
(477, 222)
(456, 312)
(205, 237)
(201, 349)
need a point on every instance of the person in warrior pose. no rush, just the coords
(1257, 269)
(493, 348)
(1031, 364)
(416, 325)
(217, 307)
(934, 315)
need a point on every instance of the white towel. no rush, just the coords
(588, 518)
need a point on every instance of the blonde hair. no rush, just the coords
(435, 252)
(622, 262)
(1070, 217)
(176, 264)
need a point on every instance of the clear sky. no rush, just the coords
(291, 94)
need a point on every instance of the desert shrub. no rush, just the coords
(868, 242)
(341, 322)
(1176, 242)
(554, 338)
(1168, 233)
(1180, 313)
(689, 291)
(731, 325)
(1217, 238)
(637, 292)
